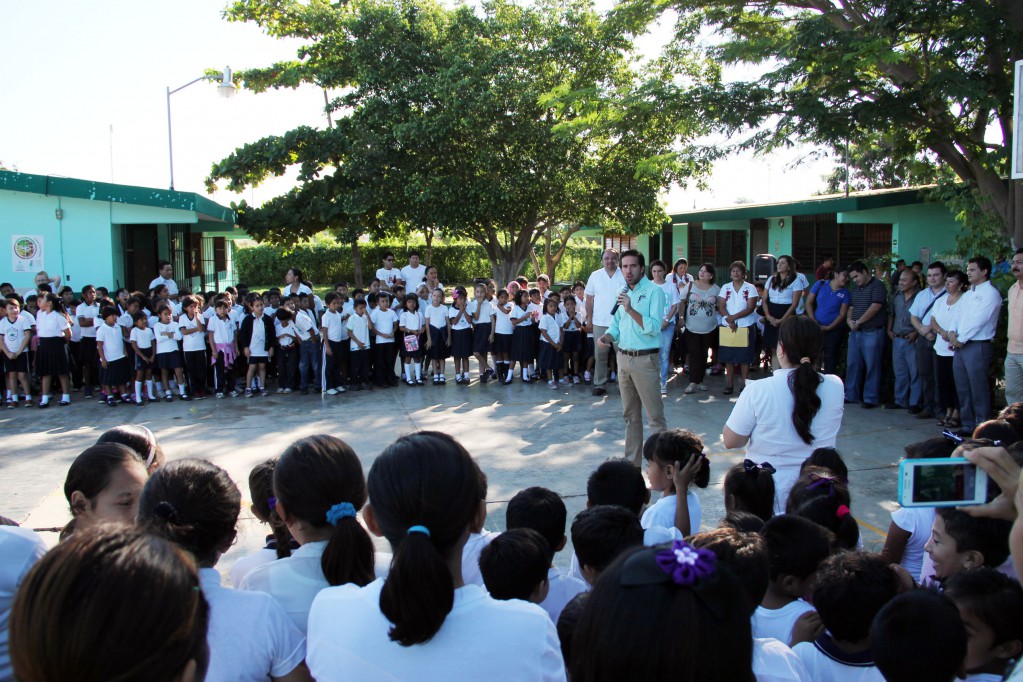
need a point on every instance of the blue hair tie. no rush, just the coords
(419, 529)
(340, 511)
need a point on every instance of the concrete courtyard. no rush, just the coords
(522, 435)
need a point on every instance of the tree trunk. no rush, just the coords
(357, 262)
(428, 233)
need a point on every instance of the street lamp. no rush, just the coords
(226, 88)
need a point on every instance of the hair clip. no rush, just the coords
(686, 564)
(680, 564)
(818, 481)
(842, 511)
(272, 504)
(340, 511)
(166, 511)
(750, 465)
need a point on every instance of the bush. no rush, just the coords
(327, 263)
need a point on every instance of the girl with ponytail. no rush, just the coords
(424, 622)
(319, 489)
(783, 418)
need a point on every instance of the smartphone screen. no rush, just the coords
(937, 483)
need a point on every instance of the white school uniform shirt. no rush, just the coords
(165, 344)
(782, 295)
(412, 321)
(172, 286)
(535, 311)
(385, 321)
(671, 298)
(604, 289)
(358, 328)
(223, 330)
(652, 536)
(89, 312)
(314, 327)
(764, 412)
(827, 663)
(143, 338)
(249, 635)
(550, 325)
(413, 277)
(293, 581)
(126, 321)
(303, 325)
(258, 342)
(979, 317)
(916, 521)
(20, 548)
(774, 661)
(287, 337)
(76, 327)
(14, 332)
(522, 315)
(486, 309)
(191, 342)
(51, 325)
(481, 639)
(736, 302)
(804, 285)
(662, 513)
(436, 315)
(250, 562)
(777, 623)
(562, 589)
(112, 340)
(334, 323)
(474, 546)
(463, 322)
(502, 323)
(29, 318)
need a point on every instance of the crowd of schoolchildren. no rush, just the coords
(138, 347)
(653, 592)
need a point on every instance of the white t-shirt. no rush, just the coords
(164, 343)
(389, 277)
(191, 342)
(783, 295)
(242, 567)
(764, 413)
(947, 317)
(774, 661)
(562, 589)
(413, 277)
(334, 323)
(89, 312)
(76, 327)
(172, 286)
(14, 332)
(486, 309)
(736, 302)
(463, 320)
(20, 548)
(51, 324)
(550, 325)
(436, 315)
(223, 329)
(358, 328)
(503, 323)
(112, 340)
(804, 286)
(293, 581)
(604, 289)
(257, 343)
(385, 321)
(522, 315)
(143, 338)
(917, 521)
(474, 546)
(777, 623)
(481, 639)
(671, 298)
(412, 321)
(249, 635)
(287, 337)
(826, 663)
(303, 325)
(662, 513)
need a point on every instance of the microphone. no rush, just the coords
(614, 309)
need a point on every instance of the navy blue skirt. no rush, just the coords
(438, 343)
(571, 342)
(503, 343)
(739, 356)
(461, 343)
(549, 357)
(523, 344)
(481, 338)
(170, 360)
(116, 373)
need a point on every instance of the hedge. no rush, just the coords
(456, 263)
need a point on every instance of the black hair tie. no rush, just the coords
(166, 511)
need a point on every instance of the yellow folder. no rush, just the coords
(737, 339)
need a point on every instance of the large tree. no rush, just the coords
(928, 75)
(504, 124)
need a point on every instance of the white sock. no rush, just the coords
(419, 371)
(171, 384)
(138, 391)
(45, 399)
(150, 389)
(181, 387)
(159, 386)
(525, 375)
(66, 397)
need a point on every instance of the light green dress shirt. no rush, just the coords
(648, 300)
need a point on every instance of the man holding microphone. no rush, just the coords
(636, 330)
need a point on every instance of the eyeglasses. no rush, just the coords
(389, 260)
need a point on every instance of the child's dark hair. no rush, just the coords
(567, 622)
(750, 487)
(319, 480)
(994, 598)
(139, 316)
(1014, 415)
(515, 563)
(620, 482)
(802, 341)
(817, 482)
(413, 298)
(138, 438)
(997, 429)
(284, 315)
(745, 554)
(261, 491)
(925, 623)
(194, 504)
(826, 458)
(742, 521)
(988, 536)
(651, 629)
(426, 494)
(796, 546)
(56, 303)
(188, 301)
(932, 448)
(831, 513)
(90, 473)
(678, 445)
(851, 589)
(601, 533)
(542, 510)
(331, 297)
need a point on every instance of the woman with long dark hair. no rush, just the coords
(785, 417)
(784, 290)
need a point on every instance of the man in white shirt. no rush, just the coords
(971, 340)
(920, 316)
(1014, 352)
(388, 275)
(166, 277)
(413, 273)
(602, 289)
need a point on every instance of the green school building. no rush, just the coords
(862, 225)
(112, 235)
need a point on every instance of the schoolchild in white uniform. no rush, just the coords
(143, 343)
(335, 346)
(114, 369)
(168, 355)
(421, 621)
(550, 361)
(257, 338)
(572, 346)
(87, 314)
(221, 331)
(385, 324)
(503, 334)
(483, 317)
(358, 349)
(439, 326)
(288, 342)
(193, 342)
(53, 330)
(16, 330)
(662, 452)
(522, 350)
(411, 326)
(460, 320)
(195, 504)
(319, 489)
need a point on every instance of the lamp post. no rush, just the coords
(226, 89)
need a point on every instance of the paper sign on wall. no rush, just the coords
(26, 253)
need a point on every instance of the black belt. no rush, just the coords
(977, 341)
(637, 353)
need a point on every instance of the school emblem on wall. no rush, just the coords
(26, 253)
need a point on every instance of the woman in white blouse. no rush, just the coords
(736, 304)
(944, 316)
(293, 285)
(784, 290)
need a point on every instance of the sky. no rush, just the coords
(84, 95)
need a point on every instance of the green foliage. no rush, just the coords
(982, 232)
(325, 263)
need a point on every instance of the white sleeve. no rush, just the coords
(287, 644)
(552, 664)
(743, 419)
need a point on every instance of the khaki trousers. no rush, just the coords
(639, 383)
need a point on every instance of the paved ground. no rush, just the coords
(522, 435)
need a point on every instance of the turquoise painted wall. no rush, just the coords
(779, 237)
(919, 232)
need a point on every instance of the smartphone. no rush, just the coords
(944, 482)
